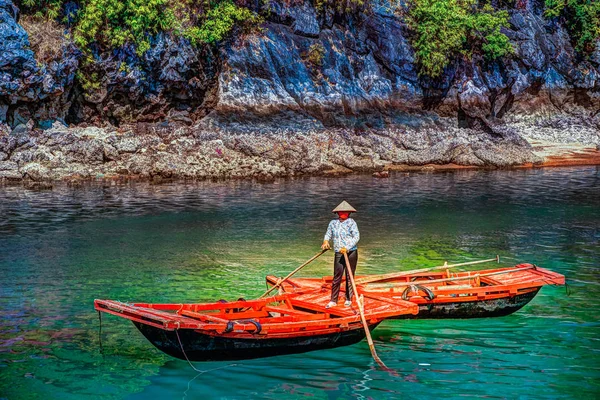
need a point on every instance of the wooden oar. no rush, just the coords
(374, 278)
(292, 273)
(362, 315)
(456, 278)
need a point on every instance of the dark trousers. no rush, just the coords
(339, 269)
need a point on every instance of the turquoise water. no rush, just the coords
(181, 242)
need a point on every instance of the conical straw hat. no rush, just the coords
(344, 206)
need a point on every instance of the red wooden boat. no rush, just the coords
(238, 330)
(483, 293)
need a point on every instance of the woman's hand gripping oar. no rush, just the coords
(362, 315)
(292, 273)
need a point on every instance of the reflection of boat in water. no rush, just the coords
(242, 329)
(483, 293)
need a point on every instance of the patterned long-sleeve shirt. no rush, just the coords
(344, 234)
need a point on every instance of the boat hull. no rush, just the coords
(443, 295)
(246, 329)
(473, 309)
(203, 347)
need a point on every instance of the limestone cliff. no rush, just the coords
(363, 89)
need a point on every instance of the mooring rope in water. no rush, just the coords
(185, 393)
(188, 360)
(183, 351)
(100, 332)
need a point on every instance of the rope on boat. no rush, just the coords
(256, 324)
(231, 325)
(183, 351)
(187, 358)
(100, 332)
(429, 295)
(281, 289)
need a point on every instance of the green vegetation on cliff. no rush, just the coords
(342, 6)
(219, 21)
(445, 29)
(113, 23)
(43, 8)
(315, 55)
(582, 18)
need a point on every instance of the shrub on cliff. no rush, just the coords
(112, 23)
(445, 29)
(315, 55)
(342, 6)
(43, 8)
(582, 18)
(220, 21)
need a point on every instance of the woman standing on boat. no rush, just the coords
(345, 235)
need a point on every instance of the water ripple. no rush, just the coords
(176, 242)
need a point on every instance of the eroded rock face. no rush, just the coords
(16, 60)
(169, 82)
(362, 73)
(29, 90)
(367, 73)
(544, 70)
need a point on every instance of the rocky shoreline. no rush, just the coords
(176, 151)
